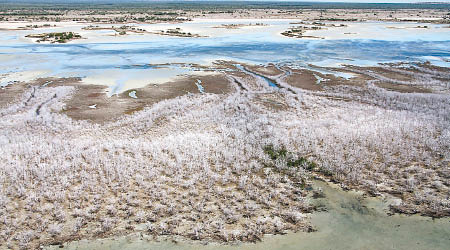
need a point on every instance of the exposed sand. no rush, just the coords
(372, 30)
(21, 76)
(92, 102)
(180, 152)
(352, 30)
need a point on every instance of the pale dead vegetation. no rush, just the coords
(198, 166)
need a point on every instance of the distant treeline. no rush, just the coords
(205, 5)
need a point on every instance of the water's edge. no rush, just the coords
(346, 220)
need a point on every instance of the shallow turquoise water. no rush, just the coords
(125, 57)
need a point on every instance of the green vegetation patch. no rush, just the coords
(294, 161)
(55, 37)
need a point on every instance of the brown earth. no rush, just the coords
(109, 108)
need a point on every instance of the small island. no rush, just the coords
(176, 32)
(238, 25)
(35, 26)
(320, 24)
(122, 30)
(298, 31)
(55, 37)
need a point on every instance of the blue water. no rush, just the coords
(116, 54)
(260, 46)
(86, 56)
(266, 79)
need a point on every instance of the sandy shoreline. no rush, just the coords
(174, 128)
(335, 204)
(206, 27)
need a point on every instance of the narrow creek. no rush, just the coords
(266, 79)
(347, 221)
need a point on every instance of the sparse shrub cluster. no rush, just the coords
(55, 37)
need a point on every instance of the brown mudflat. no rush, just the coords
(80, 106)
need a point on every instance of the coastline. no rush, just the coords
(159, 129)
(341, 215)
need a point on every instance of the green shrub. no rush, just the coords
(292, 162)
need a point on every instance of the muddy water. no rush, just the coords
(348, 220)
